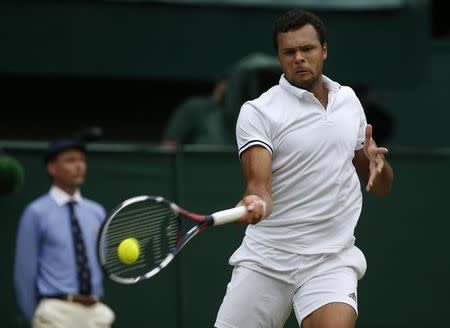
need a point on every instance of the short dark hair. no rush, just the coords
(297, 18)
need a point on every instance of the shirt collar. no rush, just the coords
(301, 93)
(331, 85)
(62, 198)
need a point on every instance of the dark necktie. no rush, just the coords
(83, 272)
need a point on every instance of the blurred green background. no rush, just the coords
(147, 56)
(110, 63)
(403, 236)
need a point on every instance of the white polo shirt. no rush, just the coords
(315, 188)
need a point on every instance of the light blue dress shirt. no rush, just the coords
(45, 256)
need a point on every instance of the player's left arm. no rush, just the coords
(372, 167)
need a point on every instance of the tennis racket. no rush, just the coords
(159, 227)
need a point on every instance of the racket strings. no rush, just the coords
(134, 226)
(130, 224)
(154, 225)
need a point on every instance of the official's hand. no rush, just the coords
(375, 155)
(256, 209)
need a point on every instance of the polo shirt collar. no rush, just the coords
(331, 85)
(62, 198)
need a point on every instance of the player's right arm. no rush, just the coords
(257, 170)
(26, 262)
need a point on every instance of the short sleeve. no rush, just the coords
(252, 129)
(362, 130)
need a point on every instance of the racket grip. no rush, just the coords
(227, 216)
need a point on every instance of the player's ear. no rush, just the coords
(324, 51)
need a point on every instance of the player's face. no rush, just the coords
(68, 169)
(301, 56)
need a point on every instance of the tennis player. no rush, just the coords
(302, 145)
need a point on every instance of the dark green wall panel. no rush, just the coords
(404, 239)
(403, 236)
(209, 182)
(197, 42)
(390, 50)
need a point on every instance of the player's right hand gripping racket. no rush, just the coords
(157, 225)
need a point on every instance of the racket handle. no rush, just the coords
(227, 216)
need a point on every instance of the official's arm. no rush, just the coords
(26, 263)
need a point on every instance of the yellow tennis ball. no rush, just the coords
(128, 251)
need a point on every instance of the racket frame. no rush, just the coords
(204, 221)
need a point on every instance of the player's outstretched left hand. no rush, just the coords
(375, 155)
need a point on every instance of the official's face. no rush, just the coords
(68, 168)
(301, 56)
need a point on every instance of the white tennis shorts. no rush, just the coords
(267, 283)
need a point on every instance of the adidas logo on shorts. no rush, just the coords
(352, 296)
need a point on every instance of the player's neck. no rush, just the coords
(320, 91)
